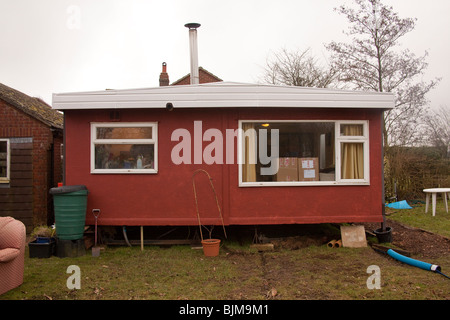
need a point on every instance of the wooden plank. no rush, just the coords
(21, 152)
(22, 159)
(168, 242)
(16, 190)
(21, 182)
(21, 167)
(15, 198)
(21, 175)
(17, 206)
(18, 213)
(21, 146)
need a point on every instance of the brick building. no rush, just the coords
(31, 136)
(204, 77)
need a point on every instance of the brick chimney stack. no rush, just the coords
(164, 77)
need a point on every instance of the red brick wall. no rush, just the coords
(16, 124)
(204, 77)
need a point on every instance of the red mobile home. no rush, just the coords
(276, 154)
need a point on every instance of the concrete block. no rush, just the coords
(353, 236)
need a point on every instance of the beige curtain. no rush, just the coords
(352, 154)
(249, 153)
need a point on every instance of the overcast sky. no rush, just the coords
(52, 46)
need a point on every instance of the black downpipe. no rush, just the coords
(383, 196)
(64, 151)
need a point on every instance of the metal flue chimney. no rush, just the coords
(194, 51)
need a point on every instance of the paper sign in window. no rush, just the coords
(307, 164)
(309, 174)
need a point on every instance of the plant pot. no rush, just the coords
(41, 249)
(211, 247)
(70, 248)
(384, 236)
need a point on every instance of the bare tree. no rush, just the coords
(437, 129)
(372, 61)
(295, 68)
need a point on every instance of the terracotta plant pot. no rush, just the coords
(211, 247)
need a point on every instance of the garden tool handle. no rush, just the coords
(96, 213)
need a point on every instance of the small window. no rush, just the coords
(353, 145)
(124, 148)
(4, 161)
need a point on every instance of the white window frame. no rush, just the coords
(153, 141)
(8, 162)
(364, 139)
(337, 140)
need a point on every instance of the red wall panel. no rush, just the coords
(167, 198)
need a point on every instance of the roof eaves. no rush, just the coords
(224, 94)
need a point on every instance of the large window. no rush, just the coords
(124, 148)
(4, 161)
(303, 153)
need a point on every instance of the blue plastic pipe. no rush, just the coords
(413, 262)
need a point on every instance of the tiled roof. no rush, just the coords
(34, 107)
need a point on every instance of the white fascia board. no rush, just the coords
(223, 95)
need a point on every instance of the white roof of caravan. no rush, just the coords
(222, 95)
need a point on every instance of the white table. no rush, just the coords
(433, 192)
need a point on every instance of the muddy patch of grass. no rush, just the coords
(300, 268)
(180, 273)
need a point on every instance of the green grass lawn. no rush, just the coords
(316, 272)
(417, 217)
